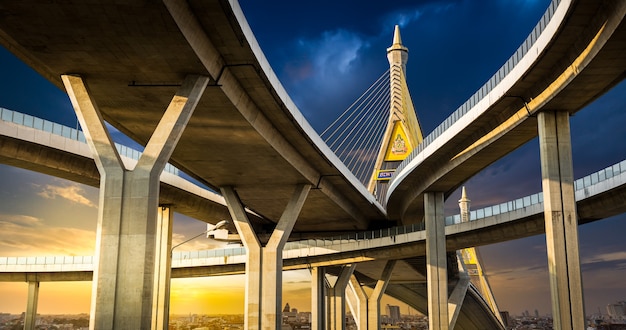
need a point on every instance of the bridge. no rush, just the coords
(506, 221)
(511, 220)
(233, 89)
(58, 150)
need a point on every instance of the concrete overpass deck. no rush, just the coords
(599, 195)
(262, 146)
(575, 54)
(50, 148)
(245, 131)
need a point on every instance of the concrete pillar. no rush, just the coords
(357, 300)
(337, 315)
(30, 317)
(163, 268)
(455, 301)
(436, 263)
(561, 220)
(125, 257)
(318, 298)
(373, 302)
(264, 264)
(367, 313)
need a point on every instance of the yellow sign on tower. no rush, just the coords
(399, 146)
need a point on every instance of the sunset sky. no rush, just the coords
(326, 53)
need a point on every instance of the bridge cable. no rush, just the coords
(355, 136)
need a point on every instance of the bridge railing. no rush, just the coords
(52, 262)
(486, 88)
(67, 132)
(217, 253)
(602, 175)
(580, 184)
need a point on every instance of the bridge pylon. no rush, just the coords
(473, 263)
(403, 131)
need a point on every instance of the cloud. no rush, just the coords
(404, 19)
(332, 53)
(22, 235)
(71, 192)
(406, 16)
(605, 257)
(19, 221)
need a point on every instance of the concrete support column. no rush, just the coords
(561, 220)
(30, 317)
(337, 315)
(357, 301)
(163, 268)
(436, 263)
(318, 298)
(126, 237)
(457, 296)
(264, 264)
(373, 302)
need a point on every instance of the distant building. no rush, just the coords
(304, 317)
(394, 314)
(616, 310)
(289, 315)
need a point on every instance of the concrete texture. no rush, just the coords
(264, 264)
(31, 306)
(258, 140)
(127, 211)
(163, 268)
(337, 298)
(436, 261)
(561, 221)
(246, 105)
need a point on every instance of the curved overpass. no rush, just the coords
(575, 53)
(259, 142)
(245, 132)
(506, 221)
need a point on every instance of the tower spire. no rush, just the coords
(464, 205)
(473, 263)
(397, 40)
(397, 54)
(403, 132)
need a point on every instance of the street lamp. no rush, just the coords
(216, 231)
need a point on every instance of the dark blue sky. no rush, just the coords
(329, 55)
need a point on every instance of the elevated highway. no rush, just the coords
(50, 148)
(46, 147)
(247, 134)
(576, 53)
(260, 143)
(599, 195)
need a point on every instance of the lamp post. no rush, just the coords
(211, 229)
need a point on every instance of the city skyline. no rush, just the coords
(454, 47)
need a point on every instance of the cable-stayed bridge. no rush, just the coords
(58, 150)
(506, 221)
(265, 158)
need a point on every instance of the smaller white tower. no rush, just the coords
(464, 206)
